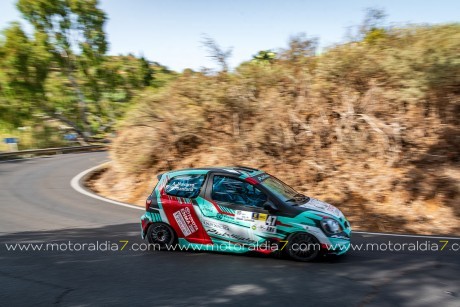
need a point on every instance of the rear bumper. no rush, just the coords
(145, 223)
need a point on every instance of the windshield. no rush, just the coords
(282, 190)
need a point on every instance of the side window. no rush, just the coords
(187, 186)
(230, 190)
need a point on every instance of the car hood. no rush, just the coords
(315, 204)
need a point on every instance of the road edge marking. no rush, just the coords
(403, 235)
(75, 184)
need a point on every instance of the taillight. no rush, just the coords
(147, 204)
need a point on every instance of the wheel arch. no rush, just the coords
(176, 237)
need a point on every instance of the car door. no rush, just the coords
(178, 199)
(239, 216)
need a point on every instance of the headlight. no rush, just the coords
(331, 226)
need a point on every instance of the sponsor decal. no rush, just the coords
(259, 216)
(185, 221)
(224, 217)
(230, 235)
(255, 216)
(207, 209)
(262, 177)
(263, 228)
(322, 206)
(211, 224)
(182, 186)
(243, 216)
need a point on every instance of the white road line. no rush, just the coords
(75, 184)
(402, 235)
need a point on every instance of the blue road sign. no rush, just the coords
(70, 137)
(10, 140)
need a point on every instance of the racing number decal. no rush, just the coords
(266, 225)
(269, 226)
(270, 221)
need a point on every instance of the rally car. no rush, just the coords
(240, 209)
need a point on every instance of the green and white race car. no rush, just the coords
(239, 210)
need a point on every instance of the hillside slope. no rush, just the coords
(370, 126)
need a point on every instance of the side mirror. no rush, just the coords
(270, 207)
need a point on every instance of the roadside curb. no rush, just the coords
(76, 184)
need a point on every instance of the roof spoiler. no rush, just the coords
(246, 168)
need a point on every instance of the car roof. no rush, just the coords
(238, 170)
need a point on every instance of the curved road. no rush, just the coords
(38, 205)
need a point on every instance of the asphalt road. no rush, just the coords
(38, 205)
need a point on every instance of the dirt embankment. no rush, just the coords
(372, 127)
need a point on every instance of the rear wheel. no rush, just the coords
(161, 234)
(303, 247)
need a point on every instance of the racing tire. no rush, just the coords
(303, 247)
(161, 234)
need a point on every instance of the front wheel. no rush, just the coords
(303, 247)
(161, 234)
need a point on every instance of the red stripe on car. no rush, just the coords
(184, 220)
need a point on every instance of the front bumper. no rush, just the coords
(339, 244)
(336, 249)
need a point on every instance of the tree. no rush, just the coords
(146, 71)
(371, 29)
(373, 19)
(300, 47)
(73, 31)
(216, 52)
(264, 56)
(24, 66)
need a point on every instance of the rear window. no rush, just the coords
(187, 186)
